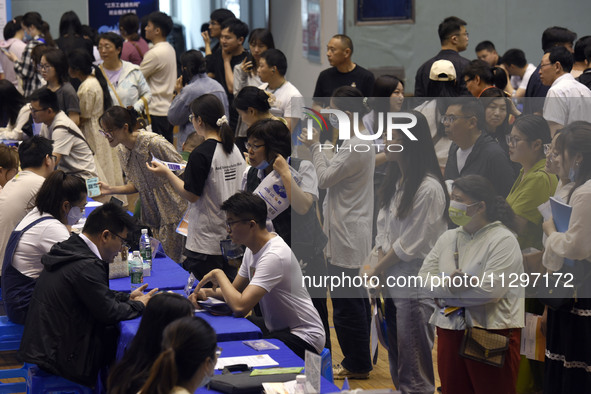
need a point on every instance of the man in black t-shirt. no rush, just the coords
(220, 65)
(342, 73)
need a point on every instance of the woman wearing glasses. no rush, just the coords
(161, 208)
(59, 203)
(213, 174)
(187, 360)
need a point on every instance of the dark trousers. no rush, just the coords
(352, 319)
(200, 264)
(295, 343)
(161, 126)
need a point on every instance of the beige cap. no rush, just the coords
(442, 70)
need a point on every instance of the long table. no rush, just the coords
(284, 356)
(165, 275)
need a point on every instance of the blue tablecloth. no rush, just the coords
(284, 356)
(166, 275)
(227, 328)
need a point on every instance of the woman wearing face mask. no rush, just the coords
(161, 208)
(59, 203)
(568, 353)
(132, 371)
(483, 246)
(269, 149)
(412, 203)
(187, 360)
(36, 33)
(211, 177)
(192, 83)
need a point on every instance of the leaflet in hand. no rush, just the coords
(272, 191)
(171, 166)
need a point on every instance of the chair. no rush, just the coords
(326, 365)
(17, 387)
(10, 334)
(41, 382)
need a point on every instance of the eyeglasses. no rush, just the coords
(33, 110)
(230, 224)
(106, 47)
(44, 67)
(512, 141)
(53, 157)
(452, 118)
(191, 117)
(218, 351)
(106, 133)
(123, 240)
(545, 64)
(254, 147)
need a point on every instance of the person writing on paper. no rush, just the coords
(567, 351)
(71, 327)
(133, 370)
(59, 203)
(412, 203)
(482, 246)
(269, 275)
(212, 175)
(269, 149)
(187, 360)
(161, 208)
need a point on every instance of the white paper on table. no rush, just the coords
(313, 367)
(256, 360)
(280, 387)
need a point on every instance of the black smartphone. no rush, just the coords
(115, 200)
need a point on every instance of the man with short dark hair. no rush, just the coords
(517, 66)
(567, 100)
(270, 275)
(18, 196)
(454, 39)
(216, 19)
(487, 52)
(343, 71)
(159, 69)
(536, 90)
(585, 77)
(580, 63)
(71, 328)
(72, 152)
(478, 77)
(220, 65)
(473, 151)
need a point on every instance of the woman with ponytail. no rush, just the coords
(37, 32)
(188, 358)
(59, 203)
(161, 208)
(477, 254)
(213, 174)
(95, 98)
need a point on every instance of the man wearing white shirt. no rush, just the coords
(567, 100)
(159, 69)
(517, 66)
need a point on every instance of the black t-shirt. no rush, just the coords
(331, 79)
(198, 166)
(215, 65)
(422, 76)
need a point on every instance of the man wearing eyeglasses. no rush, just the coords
(567, 99)
(473, 151)
(72, 152)
(71, 327)
(454, 39)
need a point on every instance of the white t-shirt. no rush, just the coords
(526, 76)
(159, 69)
(37, 241)
(567, 101)
(287, 303)
(462, 156)
(16, 199)
(288, 100)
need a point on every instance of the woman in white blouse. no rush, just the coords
(412, 204)
(568, 344)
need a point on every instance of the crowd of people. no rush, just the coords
(458, 195)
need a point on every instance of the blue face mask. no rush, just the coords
(263, 165)
(28, 37)
(573, 172)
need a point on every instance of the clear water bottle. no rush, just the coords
(146, 248)
(136, 270)
(300, 387)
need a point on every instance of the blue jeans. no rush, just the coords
(352, 318)
(410, 343)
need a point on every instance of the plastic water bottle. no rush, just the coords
(300, 387)
(136, 270)
(146, 247)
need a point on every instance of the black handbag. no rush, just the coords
(236, 379)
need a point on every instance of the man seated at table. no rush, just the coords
(71, 327)
(269, 275)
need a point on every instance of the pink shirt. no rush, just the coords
(131, 54)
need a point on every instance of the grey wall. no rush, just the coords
(52, 10)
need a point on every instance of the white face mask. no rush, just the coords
(74, 215)
(206, 379)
